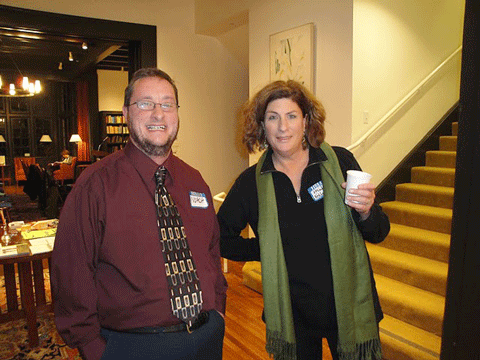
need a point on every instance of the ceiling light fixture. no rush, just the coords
(25, 87)
(70, 56)
(60, 66)
(84, 46)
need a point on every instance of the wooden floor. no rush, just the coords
(245, 330)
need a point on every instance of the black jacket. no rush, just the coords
(303, 231)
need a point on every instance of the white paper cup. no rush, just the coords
(355, 178)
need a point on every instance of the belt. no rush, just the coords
(199, 321)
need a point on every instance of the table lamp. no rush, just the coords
(75, 138)
(45, 138)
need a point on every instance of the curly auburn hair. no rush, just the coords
(253, 113)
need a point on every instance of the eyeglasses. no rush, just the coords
(148, 105)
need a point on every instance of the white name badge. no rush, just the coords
(316, 191)
(198, 200)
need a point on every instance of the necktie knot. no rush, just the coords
(160, 175)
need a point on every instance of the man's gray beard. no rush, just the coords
(152, 149)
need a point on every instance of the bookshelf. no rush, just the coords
(115, 130)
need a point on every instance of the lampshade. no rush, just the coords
(75, 138)
(45, 138)
(2, 139)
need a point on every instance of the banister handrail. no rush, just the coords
(402, 102)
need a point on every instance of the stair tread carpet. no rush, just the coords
(433, 175)
(424, 194)
(402, 341)
(430, 244)
(423, 273)
(441, 158)
(455, 128)
(410, 304)
(448, 143)
(421, 216)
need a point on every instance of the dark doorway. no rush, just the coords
(138, 40)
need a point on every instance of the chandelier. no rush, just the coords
(22, 88)
(27, 89)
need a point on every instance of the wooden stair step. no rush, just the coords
(423, 194)
(423, 273)
(402, 341)
(420, 216)
(441, 158)
(448, 143)
(429, 244)
(433, 176)
(410, 304)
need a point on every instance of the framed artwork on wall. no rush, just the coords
(291, 55)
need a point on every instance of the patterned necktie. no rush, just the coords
(184, 285)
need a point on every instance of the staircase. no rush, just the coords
(411, 265)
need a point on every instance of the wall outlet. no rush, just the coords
(365, 117)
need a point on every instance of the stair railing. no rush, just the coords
(389, 115)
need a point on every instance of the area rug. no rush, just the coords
(13, 334)
(14, 341)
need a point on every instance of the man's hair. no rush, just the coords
(253, 113)
(144, 73)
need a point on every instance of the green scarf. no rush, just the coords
(357, 327)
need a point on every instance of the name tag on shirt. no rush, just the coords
(198, 200)
(316, 191)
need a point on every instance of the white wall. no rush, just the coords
(396, 44)
(111, 89)
(212, 82)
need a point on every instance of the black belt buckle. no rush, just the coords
(199, 321)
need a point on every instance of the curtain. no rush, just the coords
(83, 122)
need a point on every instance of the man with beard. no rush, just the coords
(115, 280)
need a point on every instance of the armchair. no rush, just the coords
(66, 171)
(20, 163)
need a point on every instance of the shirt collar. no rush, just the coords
(315, 156)
(146, 167)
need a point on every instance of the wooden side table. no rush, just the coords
(29, 269)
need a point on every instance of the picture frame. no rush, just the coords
(291, 55)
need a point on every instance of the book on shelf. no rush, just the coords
(114, 119)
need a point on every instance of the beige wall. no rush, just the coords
(369, 55)
(333, 48)
(396, 45)
(111, 89)
(212, 81)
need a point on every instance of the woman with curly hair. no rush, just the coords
(316, 275)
